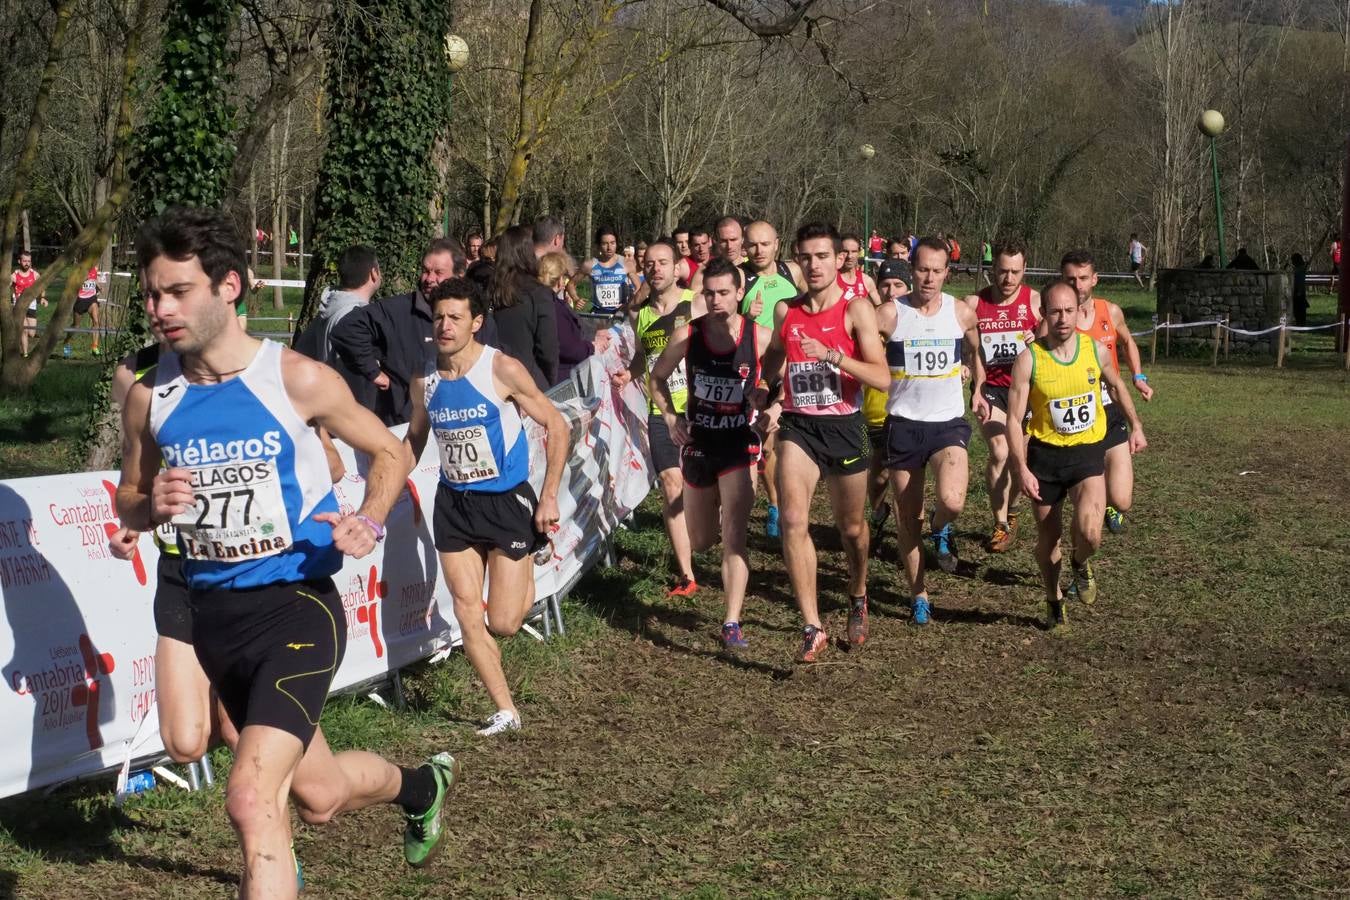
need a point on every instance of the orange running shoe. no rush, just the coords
(1002, 538)
(814, 640)
(685, 587)
(857, 622)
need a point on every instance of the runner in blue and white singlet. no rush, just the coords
(246, 481)
(609, 286)
(487, 522)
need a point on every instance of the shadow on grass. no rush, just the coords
(64, 830)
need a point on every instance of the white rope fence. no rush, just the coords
(1222, 329)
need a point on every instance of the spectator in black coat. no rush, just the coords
(390, 341)
(1299, 294)
(574, 345)
(525, 321)
(1243, 260)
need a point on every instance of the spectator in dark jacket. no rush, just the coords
(389, 342)
(1299, 293)
(480, 270)
(526, 325)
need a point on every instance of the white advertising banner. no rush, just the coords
(78, 641)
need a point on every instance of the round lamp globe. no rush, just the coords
(1211, 122)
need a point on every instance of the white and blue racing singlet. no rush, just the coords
(479, 435)
(609, 286)
(924, 356)
(259, 473)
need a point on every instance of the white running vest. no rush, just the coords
(924, 355)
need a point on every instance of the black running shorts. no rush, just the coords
(995, 395)
(271, 652)
(503, 521)
(703, 462)
(665, 453)
(836, 444)
(1117, 427)
(82, 305)
(173, 615)
(1060, 468)
(911, 443)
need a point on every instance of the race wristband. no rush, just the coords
(374, 526)
(1141, 377)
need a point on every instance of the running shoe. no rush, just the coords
(814, 640)
(502, 720)
(1083, 586)
(857, 622)
(1115, 520)
(66, 351)
(98, 352)
(422, 834)
(771, 528)
(1054, 614)
(732, 639)
(919, 610)
(685, 587)
(1002, 539)
(299, 870)
(944, 548)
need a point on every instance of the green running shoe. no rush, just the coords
(422, 836)
(1082, 586)
(1115, 520)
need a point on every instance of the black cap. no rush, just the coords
(896, 268)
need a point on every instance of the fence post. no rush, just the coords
(1167, 338)
(1214, 360)
(1345, 336)
(1279, 350)
(1153, 343)
(1227, 323)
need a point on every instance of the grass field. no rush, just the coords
(1189, 736)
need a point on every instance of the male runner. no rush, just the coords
(898, 249)
(488, 522)
(824, 348)
(612, 278)
(720, 354)
(768, 280)
(700, 251)
(1009, 313)
(248, 487)
(666, 310)
(852, 279)
(20, 280)
(681, 237)
(929, 337)
(1137, 251)
(730, 240)
(894, 281)
(86, 302)
(1060, 378)
(1103, 321)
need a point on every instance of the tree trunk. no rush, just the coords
(27, 237)
(522, 148)
(253, 223)
(300, 245)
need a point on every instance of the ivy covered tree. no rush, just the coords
(388, 93)
(183, 155)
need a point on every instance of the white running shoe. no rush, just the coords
(502, 720)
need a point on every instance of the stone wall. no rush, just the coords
(1250, 300)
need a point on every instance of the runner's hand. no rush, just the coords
(1138, 443)
(1030, 485)
(351, 536)
(759, 397)
(621, 378)
(1145, 389)
(679, 429)
(546, 514)
(381, 381)
(766, 423)
(814, 348)
(171, 494)
(965, 374)
(980, 407)
(122, 543)
(756, 306)
(602, 340)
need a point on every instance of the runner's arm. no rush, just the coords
(1132, 358)
(419, 425)
(336, 468)
(870, 283)
(322, 398)
(1119, 394)
(141, 502)
(870, 368)
(767, 421)
(1018, 393)
(124, 376)
(515, 383)
(970, 325)
(584, 271)
(662, 369)
(772, 362)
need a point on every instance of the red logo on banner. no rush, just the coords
(110, 528)
(369, 614)
(86, 694)
(416, 503)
